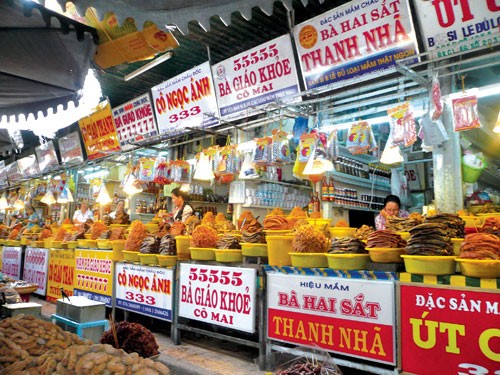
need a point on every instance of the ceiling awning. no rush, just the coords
(44, 59)
(166, 13)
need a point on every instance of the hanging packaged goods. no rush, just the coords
(355, 41)
(71, 149)
(256, 77)
(99, 133)
(134, 121)
(186, 101)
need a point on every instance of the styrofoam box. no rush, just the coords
(26, 308)
(81, 309)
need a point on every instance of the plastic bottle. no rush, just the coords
(325, 197)
(316, 203)
(331, 190)
(310, 206)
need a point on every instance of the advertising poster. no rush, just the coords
(144, 290)
(457, 331)
(28, 166)
(71, 149)
(259, 76)
(356, 41)
(347, 316)
(450, 27)
(36, 267)
(186, 101)
(134, 121)
(61, 273)
(94, 275)
(224, 296)
(47, 157)
(99, 133)
(11, 262)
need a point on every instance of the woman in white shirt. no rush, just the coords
(182, 210)
(83, 214)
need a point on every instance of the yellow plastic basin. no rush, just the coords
(309, 260)
(482, 268)
(167, 260)
(342, 232)
(182, 245)
(429, 264)
(228, 255)
(253, 249)
(278, 249)
(131, 256)
(148, 259)
(202, 253)
(347, 261)
(386, 254)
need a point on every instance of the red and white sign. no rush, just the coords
(13, 172)
(36, 268)
(347, 316)
(28, 166)
(259, 76)
(224, 296)
(453, 26)
(11, 262)
(186, 101)
(144, 290)
(355, 41)
(456, 331)
(47, 157)
(134, 121)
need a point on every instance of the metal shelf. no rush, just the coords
(206, 202)
(260, 180)
(354, 180)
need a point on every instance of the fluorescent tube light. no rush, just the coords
(148, 66)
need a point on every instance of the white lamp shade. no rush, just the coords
(65, 196)
(317, 166)
(3, 202)
(391, 155)
(18, 204)
(203, 170)
(48, 198)
(103, 196)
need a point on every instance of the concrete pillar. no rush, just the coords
(447, 169)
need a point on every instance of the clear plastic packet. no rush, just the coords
(180, 171)
(397, 115)
(332, 149)
(465, 114)
(436, 99)
(212, 153)
(248, 169)
(360, 139)
(146, 169)
(306, 149)
(162, 171)
(410, 127)
(227, 164)
(263, 151)
(280, 148)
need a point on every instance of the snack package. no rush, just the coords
(360, 139)
(180, 171)
(248, 169)
(397, 115)
(227, 164)
(162, 171)
(280, 148)
(436, 104)
(146, 169)
(305, 150)
(410, 136)
(465, 114)
(332, 149)
(263, 151)
(212, 153)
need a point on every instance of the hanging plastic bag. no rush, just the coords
(397, 115)
(146, 169)
(162, 171)
(306, 148)
(410, 127)
(465, 114)
(399, 186)
(434, 132)
(436, 99)
(391, 154)
(280, 148)
(248, 168)
(263, 150)
(181, 171)
(227, 165)
(360, 139)
(212, 153)
(332, 149)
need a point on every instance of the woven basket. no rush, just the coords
(26, 289)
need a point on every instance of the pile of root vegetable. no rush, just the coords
(32, 346)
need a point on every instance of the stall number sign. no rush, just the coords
(457, 331)
(186, 101)
(36, 264)
(134, 121)
(11, 262)
(453, 26)
(224, 296)
(144, 290)
(355, 41)
(351, 317)
(259, 76)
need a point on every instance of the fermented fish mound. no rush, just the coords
(480, 246)
(385, 238)
(429, 239)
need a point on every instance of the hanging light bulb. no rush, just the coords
(129, 188)
(65, 196)
(48, 198)
(103, 196)
(18, 204)
(203, 170)
(3, 202)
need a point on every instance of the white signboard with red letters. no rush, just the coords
(144, 290)
(134, 121)
(36, 267)
(349, 316)
(259, 76)
(224, 296)
(356, 41)
(11, 262)
(453, 26)
(186, 101)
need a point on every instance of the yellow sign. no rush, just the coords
(61, 273)
(94, 275)
(120, 44)
(99, 132)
